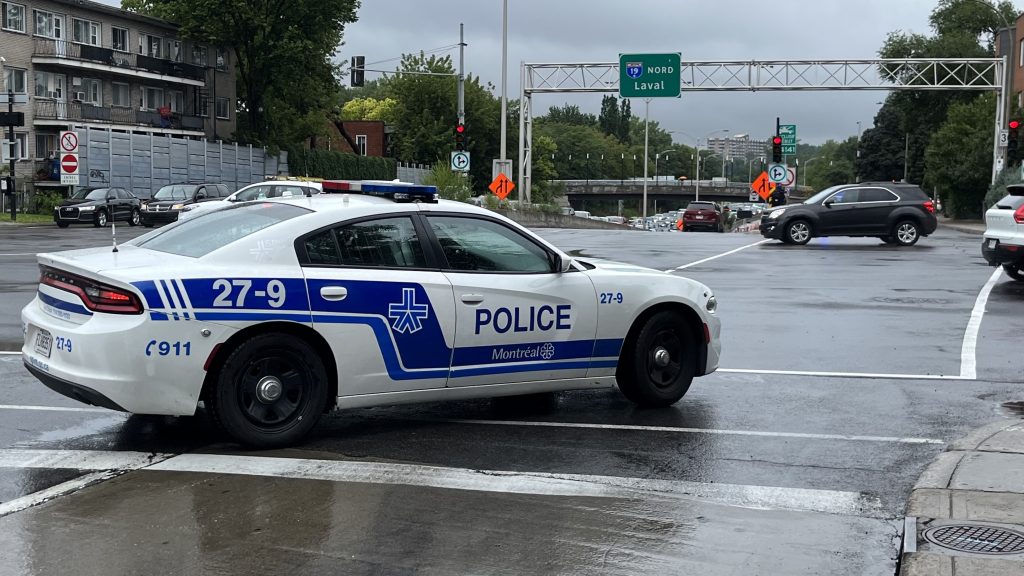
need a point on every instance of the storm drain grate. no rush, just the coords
(976, 539)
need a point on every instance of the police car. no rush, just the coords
(275, 188)
(274, 312)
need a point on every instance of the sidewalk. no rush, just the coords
(971, 500)
(967, 226)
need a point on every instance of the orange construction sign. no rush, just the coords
(502, 186)
(763, 186)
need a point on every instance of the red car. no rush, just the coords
(703, 216)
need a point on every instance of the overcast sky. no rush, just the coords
(598, 30)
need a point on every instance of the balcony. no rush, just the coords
(83, 112)
(63, 52)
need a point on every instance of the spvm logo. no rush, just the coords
(634, 69)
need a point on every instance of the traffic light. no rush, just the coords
(356, 70)
(460, 137)
(777, 149)
(1012, 152)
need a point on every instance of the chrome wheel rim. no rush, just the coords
(799, 232)
(906, 233)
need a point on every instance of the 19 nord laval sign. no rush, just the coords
(649, 75)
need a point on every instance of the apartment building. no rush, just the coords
(738, 146)
(85, 64)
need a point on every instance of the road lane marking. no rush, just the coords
(680, 430)
(10, 353)
(20, 254)
(842, 374)
(47, 494)
(532, 483)
(685, 266)
(969, 350)
(498, 481)
(57, 408)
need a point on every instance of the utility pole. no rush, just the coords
(462, 77)
(11, 150)
(504, 78)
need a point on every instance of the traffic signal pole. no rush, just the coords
(462, 77)
(13, 145)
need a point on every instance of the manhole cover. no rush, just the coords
(977, 539)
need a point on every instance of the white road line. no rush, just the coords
(969, 350)
(685, 266)
(10, 353)
(843, 374)
(36, 498)
(78, 459)
(536, 483)
(19, 254)
(680, 430)
(56, 408)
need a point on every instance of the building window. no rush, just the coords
(1021, 52)
(222, 109)
(120, 39)
(49, 85)
(222, 59)
(150, 45)
(174, 51)
(199, 55)
(361, 144)
(15, 80)
(152, 98)
(92, 92)
(120, 94)
(204, 107)
(177, 100)
(49, 25)
(14, 17)
(20, 147)
(46, 145)
(85, 32)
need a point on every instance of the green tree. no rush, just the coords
(570, 114)
(882, 147)
(609, 118)
(961, 145)
(370, 109)
(542, 189)
(625, 115)
(283, 48)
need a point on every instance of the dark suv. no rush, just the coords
(98, 206)
(164, 206)
(895, 213)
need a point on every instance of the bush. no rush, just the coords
(45, 202)
(451, 185)
(334, 165)
(998, 190)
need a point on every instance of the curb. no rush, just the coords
(965, 228)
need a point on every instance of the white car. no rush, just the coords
(1004, 233)
(257, 191)
(272, 313)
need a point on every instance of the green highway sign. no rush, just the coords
(649, 75)
(789, 149)
(788, 133)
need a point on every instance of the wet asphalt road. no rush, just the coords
(756, 471)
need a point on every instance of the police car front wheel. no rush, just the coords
(663, 362)
(270, 391)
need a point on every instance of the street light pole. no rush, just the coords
(504, 78)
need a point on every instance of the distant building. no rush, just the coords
(85, 64)
(370, 137)
(738, 146)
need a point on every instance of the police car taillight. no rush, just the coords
(397, 191)
(96, 296)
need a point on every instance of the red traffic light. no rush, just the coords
(1014, 124)
(460, 128)
(777, 140)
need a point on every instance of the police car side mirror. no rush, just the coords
(563, 265)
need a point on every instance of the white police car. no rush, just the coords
(273, 312)
(258, 191)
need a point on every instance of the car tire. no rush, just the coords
(798, 232)
(62, 224)
(100, 219)
(1014, 271)
(270, 391)
(661, 363)
(906, 233)
(135, 217)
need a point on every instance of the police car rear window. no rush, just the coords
(200, 236)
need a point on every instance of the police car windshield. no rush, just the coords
(200, 236)
(174, 192)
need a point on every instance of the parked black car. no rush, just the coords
(98, 206)
(895, 213)
(164, 206)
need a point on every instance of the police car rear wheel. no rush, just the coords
(663, 362)
(270, 391)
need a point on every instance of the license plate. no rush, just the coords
(44, 342)
(991, 243)
(699, 217)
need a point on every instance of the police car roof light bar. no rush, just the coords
(397, 191)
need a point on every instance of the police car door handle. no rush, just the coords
(472, 298)
(333, 292)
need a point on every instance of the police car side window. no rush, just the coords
(380, 243)
(477, 245)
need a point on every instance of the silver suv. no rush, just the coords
(1004, 233)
